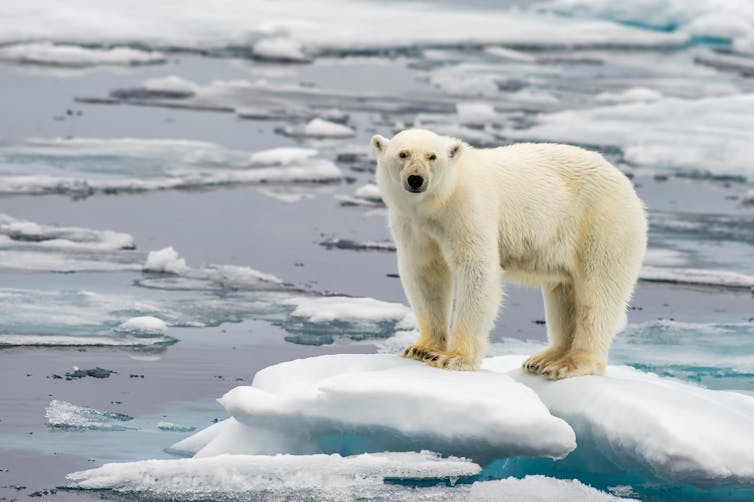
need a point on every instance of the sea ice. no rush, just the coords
(356, 403)
(642, 423)
(86, 166)
(64, 415)
(46, 53)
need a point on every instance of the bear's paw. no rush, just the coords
(574, 364)
(536, 363)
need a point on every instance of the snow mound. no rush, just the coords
(642, 422)
(46, 53)
(279, 477)
(143, 326)
(282, 156)
(165, 260)
(537, 489)
(64, 415)
(342, 403)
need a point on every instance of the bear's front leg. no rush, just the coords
(477, 291)
(427, 283)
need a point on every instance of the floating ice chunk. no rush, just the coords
(170, 426)
(374, 402)
(362, 314)
(64, 415)
(165, 260)
(359, 245)
(366, 195)
(742, 63)
(289, 477)
(143, 326)
(64, 237)
(695, 276)
(533, 96)
(320, 128)
(470, 112)
(632, 94)
(11, 340)
(282, 156)
(281, 49)
(46, 53)
(640, 421)
(663, 134)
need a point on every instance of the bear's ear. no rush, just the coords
(379, 144)
(455, 150)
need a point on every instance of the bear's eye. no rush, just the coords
(403, 155)
(432, 156)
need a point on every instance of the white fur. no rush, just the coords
(555, 216)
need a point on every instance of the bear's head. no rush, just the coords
(415, 161)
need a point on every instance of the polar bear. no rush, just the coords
(556, 216)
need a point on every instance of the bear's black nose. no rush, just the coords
(415, 181)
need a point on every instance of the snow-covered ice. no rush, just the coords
(646, 424)
(381, 402)
(280, 49)
(65, 415)
(86, 166)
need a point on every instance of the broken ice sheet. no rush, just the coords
(76, 56)
(86, 166)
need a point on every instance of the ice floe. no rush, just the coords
(46, 53)
(27, 245)
(64, 415)
(86, 166)
(281, 49)
(329, 478)
(358, 245)
(641, 422)
(382, 402)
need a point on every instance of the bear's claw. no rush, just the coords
(536, 363)
(438, 359)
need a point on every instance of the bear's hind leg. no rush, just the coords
(560, 313)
